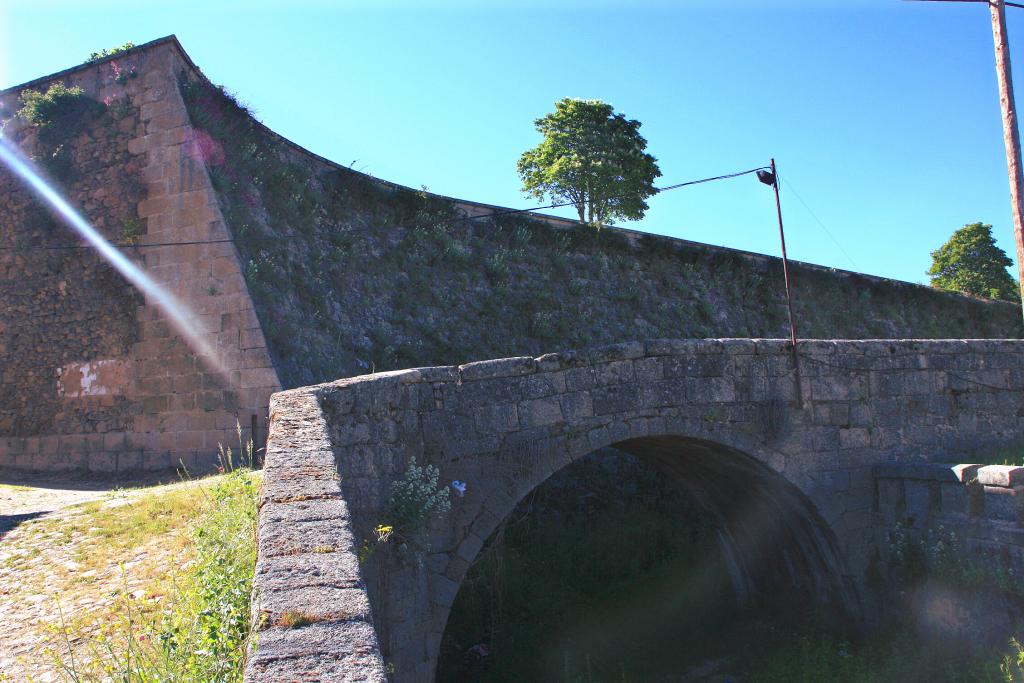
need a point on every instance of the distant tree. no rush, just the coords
(593, 158)
(970, 262)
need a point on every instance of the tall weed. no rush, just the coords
(200, 631)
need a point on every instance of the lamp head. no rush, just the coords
(766, 177)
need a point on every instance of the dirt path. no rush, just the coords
(64, 557)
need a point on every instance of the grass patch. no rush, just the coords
(290, 619)
(110, 529)
(192, 621)
(777, 656)
(1011, 455)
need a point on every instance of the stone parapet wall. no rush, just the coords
(982, 505)
(111, 385)
(503, 426)
(311, 613)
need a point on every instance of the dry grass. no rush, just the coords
(69, 574)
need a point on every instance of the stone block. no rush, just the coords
(831, 389)
(648, 369)
(277, 539)
(695, 366)
(965, 472)
(615, 399)
(102, 462)
(955, 499)
(330, 641)
(251, 339)
(469, 547)
(615, 372)
(577, 405)
(933, 471)
(362, 666)
(854, 437)
(712, 390)
(550, 362)
(580, 379)
(336, 569)
(1002, 503)
(613, 352)
(498, 418)
(918, 496)
(317, 603)
(505, 367)
(1001, 475)
(443, 589)
(543, 384)
(300, 485)
(540, 412)
(671, 347)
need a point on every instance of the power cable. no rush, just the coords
(818, 220)
(491, 214)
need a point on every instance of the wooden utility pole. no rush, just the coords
(1011, 136)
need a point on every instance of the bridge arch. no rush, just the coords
(773, 537)
(504, 426)
(721, 420)
(776, 545)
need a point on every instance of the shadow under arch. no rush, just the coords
(779, 551)
(776, 544)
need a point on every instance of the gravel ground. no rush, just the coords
(40, 580)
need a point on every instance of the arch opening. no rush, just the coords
(650, 549)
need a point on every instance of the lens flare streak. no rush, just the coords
(178, 314)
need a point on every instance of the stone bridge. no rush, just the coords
(783, 457)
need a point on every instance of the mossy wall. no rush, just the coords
(351, 274)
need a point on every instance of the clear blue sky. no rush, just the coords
(882, 114)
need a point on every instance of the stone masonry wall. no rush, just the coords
(348, 274)
(352, 274)
(103, 381)
(308, 562)
(504, 426)
(949, 550)
(983, 505)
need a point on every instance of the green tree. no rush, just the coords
(593, 158)
(970, 262)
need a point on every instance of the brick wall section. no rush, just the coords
(308, 564)
(504, 426)
(174, 406)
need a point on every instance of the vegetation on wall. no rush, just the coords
(59, 115)
(110, 52)
(352, 275)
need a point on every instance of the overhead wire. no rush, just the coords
(828, 232)
(490, 214)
